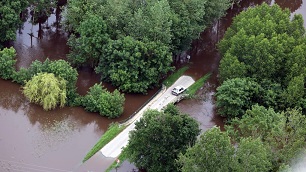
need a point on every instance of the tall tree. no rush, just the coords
(262, 40)
(134, 66)
(7, 63)
(237, 95)
(252, 156)
(158, 138)
(212, 152)
(10, 19)
(88, 47)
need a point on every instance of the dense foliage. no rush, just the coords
(108, 104)
(215, 152)
(47, 90)
(7, 63)
(264, 44)
(159, 137)
(282, 133)
(133, 40)
(135, 66)
(60, 68)
(10, 19)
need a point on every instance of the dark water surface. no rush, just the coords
(35, 140)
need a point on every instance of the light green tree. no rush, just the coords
(213, 151)
(47, 90)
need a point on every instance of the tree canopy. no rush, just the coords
(158, 139)
(264, 44)
(212, 152)
(10, 19)
(134, 66)
(116, 34)
(47, 90)
(98, 99)
(7, 63)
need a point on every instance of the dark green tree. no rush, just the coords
(236, 95)
(134, 66)
(98, 99)
(88, 47)
(7, 63)
(158, 139)
(10, 19)
(283, 133)
(212, 152)
(252, 156)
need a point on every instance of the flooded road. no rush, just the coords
(35, 140)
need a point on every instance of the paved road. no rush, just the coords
(114, 147)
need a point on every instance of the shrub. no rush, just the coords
(108, 104)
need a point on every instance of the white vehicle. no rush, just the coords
(178, 90)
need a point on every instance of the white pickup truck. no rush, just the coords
(178, 90)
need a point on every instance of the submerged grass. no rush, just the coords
(191, 91)
(113, 130)
(175, 76)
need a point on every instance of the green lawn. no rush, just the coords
(175, 76)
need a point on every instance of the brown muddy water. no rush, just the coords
(35, 140)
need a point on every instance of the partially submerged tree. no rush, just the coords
(108, 104)
(47, 90)
(10, 19)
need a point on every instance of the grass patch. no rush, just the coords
(122, 157)
(113, 130)
(173, 77)
(191, 91)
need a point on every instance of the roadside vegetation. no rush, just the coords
(113, 130)
(192, 90)
(175, 76)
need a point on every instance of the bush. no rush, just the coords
(98, 99)
(7, 63)
(60, 68)
(47, 90)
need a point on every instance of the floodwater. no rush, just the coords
(35, 140)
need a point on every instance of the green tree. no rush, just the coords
(283, 133)
(262, 40)
(60, 68)
(88, 47)
(151, 22)
(98, 99)
(134, 66)
(9, 19)
(47, 90)
(236, 95)
(212, 152)
(7, 63)
(158, 139)
(252, 156)
(190, 18)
